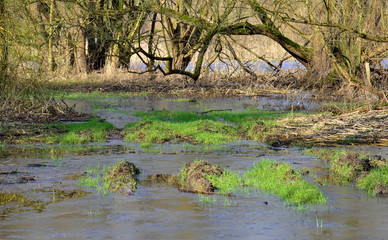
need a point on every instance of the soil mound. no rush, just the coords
(193, 176)
(122, 177)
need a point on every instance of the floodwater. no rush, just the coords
(160, 211)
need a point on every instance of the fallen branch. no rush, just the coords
(215, 110)
(204, 192)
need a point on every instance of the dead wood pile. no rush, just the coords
(357, 127)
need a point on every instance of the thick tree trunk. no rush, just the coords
(80, 53)
(3, 44)
(321, 64)
(50, 38)
(112, 59)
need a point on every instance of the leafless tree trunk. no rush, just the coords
(3, 44)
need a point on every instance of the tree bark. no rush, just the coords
(50, 38)
(3, 44)
(112, 59)
(80, 44)
(80, 54)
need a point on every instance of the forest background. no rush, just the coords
(342, 44)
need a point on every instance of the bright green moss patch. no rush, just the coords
(207, 128)
(281, 180)
(94, 130)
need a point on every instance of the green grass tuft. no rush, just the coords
(377, 178)
(94, 179)
(115, 178)
(94, 130)
(212, 128)
(228, 182)
(369, 172)
(281, 180)
(175, 126)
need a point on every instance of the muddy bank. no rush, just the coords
(357, 127)
(362, 126)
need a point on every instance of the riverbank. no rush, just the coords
(214, 126)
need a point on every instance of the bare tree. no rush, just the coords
(328, 42)
(3, 43)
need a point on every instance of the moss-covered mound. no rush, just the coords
(121, 177)
(194, 176)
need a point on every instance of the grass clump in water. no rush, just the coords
(282, 180)
(376, 182)
(227, 182)
(120, 178)
(268, 176)
(95, 130)
(194, 176)
(94, 178)
(368, 172)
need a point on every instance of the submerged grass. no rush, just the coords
(94, 179)
(16, 203)
(210, 128)
(282, 180)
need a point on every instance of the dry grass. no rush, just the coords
(214, 85)
(362, 126)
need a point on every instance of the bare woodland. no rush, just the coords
(340, 42)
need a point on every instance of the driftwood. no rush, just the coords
(204, 192)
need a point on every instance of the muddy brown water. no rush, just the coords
(159, 211)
